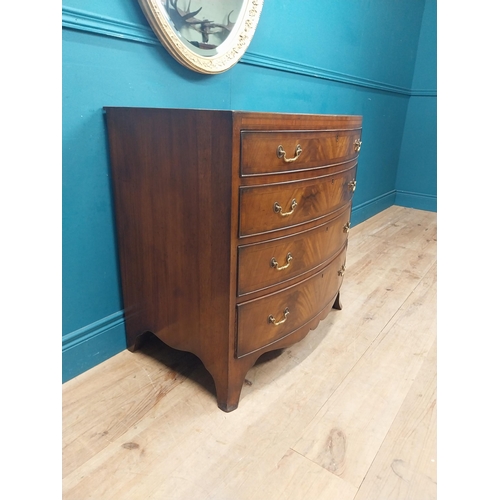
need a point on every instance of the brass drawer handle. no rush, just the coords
(282, 154)
(352, 186)
(347, 227)
(279, 210)
(357, 145)
(274, 262)
(342, 270)
(280, 322)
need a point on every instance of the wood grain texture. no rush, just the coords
(406, 464)
(342, 438)
(292, 307)
(307, 249)
(259, 150)
(177, 188)
(287, 121)
(120, 445)
(315, 199)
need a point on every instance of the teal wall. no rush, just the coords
(416, 181)
(329, 56)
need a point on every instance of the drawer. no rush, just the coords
(269, 207)
(272, 317)
(261, 265)
(284, 151)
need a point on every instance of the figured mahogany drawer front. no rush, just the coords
(269, 207)
(272, 317)
(261, 265)
(273, 152)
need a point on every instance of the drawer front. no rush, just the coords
(272, 317)
(262, 265)
(271, 207)
(275, 152)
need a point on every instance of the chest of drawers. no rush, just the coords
(232, 229)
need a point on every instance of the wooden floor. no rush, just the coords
(348, 413)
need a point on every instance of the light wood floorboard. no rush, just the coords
(349, 413)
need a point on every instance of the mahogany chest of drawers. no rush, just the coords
(232, 229)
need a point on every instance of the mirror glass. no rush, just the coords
(204, 28)
(207, 36)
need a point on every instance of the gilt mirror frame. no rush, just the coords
(221, 42)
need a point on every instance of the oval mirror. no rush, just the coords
(207, 36)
